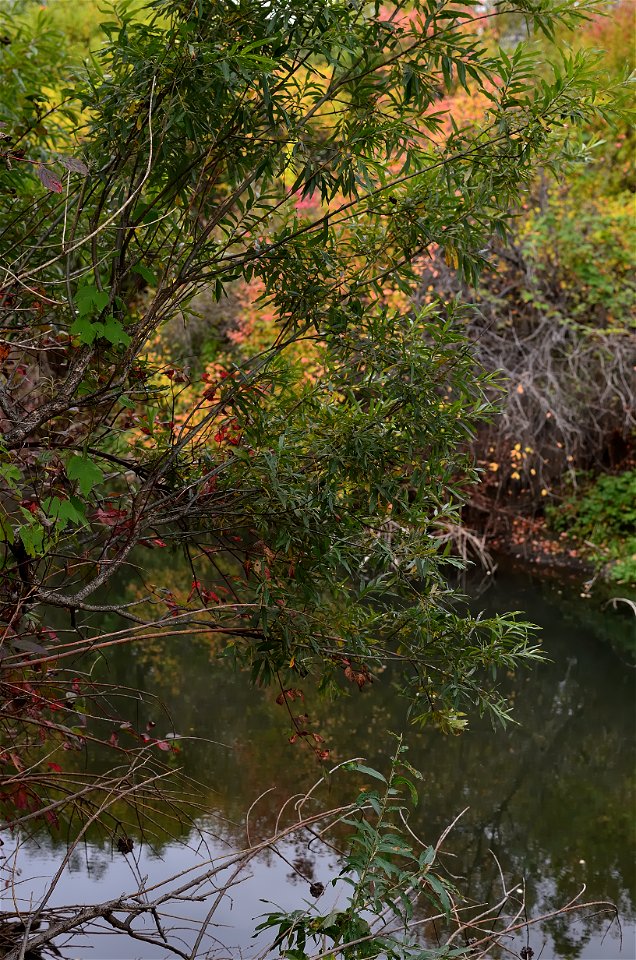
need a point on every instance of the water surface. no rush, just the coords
(551, 799)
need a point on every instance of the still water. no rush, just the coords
(552, 798)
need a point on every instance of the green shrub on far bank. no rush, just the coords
(580, 255)
(78, 23)
(603, 516)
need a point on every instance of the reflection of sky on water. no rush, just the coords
(96, 874)
(552, 798)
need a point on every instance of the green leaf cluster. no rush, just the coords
(602, 516)
(390, 875)
(307, 150)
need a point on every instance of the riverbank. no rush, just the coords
(589, 530)
(531, 541)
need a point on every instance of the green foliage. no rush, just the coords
(623, 566)
(389, 875)
(556, 314)
(77, 24)
(603, 515)
(583, 250)
(604, 508)
(300, 147)
(610, 29)
(85, 471)
(581, 237)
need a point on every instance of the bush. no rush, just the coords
(554, 312)
(603, 515)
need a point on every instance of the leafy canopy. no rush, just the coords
(307, 148)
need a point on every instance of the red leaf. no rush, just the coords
(51, 818)
(290, 694)
(49, 179)
(172, 605)
(109, 517)
(210, 595)
(55, 767)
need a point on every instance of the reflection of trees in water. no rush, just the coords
(542, 797)
(92, 861)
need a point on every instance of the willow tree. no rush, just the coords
(310, 476)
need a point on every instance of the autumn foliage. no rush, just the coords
(217, 344)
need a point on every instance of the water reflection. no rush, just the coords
(553, 798)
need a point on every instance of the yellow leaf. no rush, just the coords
(451, 258)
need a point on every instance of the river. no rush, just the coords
(551, 798)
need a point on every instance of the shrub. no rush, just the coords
(603, 514)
